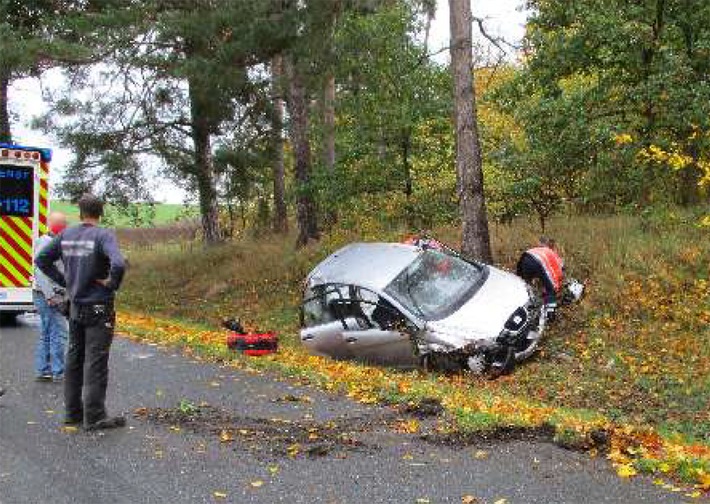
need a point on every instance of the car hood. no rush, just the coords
(484, 316)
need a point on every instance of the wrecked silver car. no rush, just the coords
(403, 305)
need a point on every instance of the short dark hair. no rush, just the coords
(90, 207)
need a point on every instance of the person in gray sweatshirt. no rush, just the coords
(93, 271)
(50, 300)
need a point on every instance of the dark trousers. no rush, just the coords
(86, 369)
(530, 269)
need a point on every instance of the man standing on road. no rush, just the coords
(93, 271)
(50, 300)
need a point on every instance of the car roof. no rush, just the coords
(369, 265)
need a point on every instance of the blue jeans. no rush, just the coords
(50, 350)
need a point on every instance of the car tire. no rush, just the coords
(7, 318)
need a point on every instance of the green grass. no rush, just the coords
(164, 213)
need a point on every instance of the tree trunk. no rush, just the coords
(5, 130)
(469, 169)
(204, 169)
(298, 109)
(329, 138)
(279, 171)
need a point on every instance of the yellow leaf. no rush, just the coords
(70, 429)
(469, 499)
(219, 495)
(273, 469)
(626, 471)
(501, 501)
(257, 484)
(703, 480)
(480, 455)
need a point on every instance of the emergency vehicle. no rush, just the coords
(24, 207)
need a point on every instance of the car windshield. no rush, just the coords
(436, 284)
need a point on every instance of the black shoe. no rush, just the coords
(2, 391)
(44, 378)
(107, 423)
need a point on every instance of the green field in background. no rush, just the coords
(165, 213)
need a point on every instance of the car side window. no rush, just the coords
(380, 312)
(317, 309)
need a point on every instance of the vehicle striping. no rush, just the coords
(15, 251)
(22, 269)
(43, 197)
(4, 280)
(20, 239)
(10, 279)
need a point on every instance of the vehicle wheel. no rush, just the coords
(477, 364)
(7, 318)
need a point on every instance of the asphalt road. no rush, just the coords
(280, 442)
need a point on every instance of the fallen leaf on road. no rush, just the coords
(407, 426)
(501, 501)
(215, 384)
(480, 455)
(226, 436)
(626, 471)
(219, 495)
(407, 456)
(273, 469)
(31, 423)
(50, 412)
(423, 501)
(257, 484)
(293, 450)
(469, 499)
(69, 429)
(141, 411)
(175, 428)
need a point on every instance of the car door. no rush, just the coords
(384, 339)
(322, 328)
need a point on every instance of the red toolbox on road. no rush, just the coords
(254, 345)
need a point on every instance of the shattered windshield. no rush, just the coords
(436, 284)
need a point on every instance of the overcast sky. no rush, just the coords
(504, 18)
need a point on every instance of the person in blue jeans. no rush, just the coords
(50, 300)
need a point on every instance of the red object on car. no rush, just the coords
(254, 345)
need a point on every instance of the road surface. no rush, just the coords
(204, 433)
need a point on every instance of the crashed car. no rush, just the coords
(402, 305)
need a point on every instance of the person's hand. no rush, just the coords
(55, 300)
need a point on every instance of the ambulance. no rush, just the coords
(24, 207)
